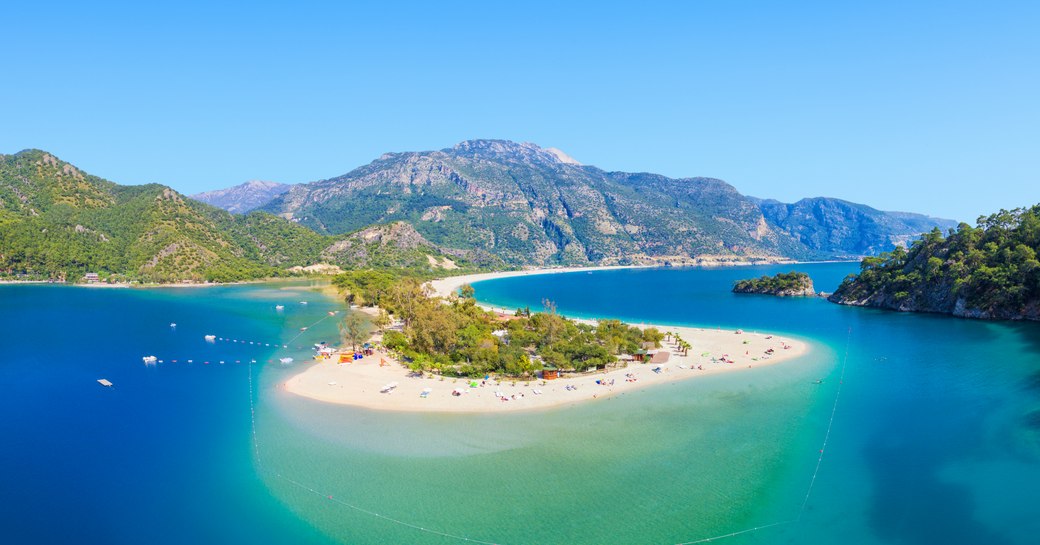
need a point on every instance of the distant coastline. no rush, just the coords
(445, 287)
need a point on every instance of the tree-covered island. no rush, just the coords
(783, 284)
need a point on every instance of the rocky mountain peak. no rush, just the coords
(498, 149)
(243, 197)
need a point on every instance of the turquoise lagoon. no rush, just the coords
(935, 435)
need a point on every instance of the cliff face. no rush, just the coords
(936, 298)
(986, 272)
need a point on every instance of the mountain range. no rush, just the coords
(530, 205)
(481, 204)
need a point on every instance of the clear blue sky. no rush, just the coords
(932, 107)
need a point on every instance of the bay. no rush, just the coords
(935, 436)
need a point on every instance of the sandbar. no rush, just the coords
(359, 383)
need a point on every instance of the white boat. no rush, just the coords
(388, 388)
(150, 359)
(210, 338)
(173, 324)
(303, 302)
(279, 307)
(104, 382)
(285, 360)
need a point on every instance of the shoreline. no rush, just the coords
(447, 286)
(358, 383)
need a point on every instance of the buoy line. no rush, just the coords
(258, 344)
(816, 470)
(830, 425)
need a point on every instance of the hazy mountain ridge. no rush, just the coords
(244, 197)
(844, 228)
(530, 205)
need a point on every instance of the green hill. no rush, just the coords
(990, 271)
(58, 222)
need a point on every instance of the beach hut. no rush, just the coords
(550, 373)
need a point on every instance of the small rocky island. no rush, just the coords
(783, 284)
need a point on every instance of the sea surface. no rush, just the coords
(929, 427)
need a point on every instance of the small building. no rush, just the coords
(661, 356)
(92, 278)
(550, 373)
(503, 317)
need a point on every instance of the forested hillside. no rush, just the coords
(989, 271)
(59, 223)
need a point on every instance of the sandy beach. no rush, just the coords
(359, 383)
(445, 287)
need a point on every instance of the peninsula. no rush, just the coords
(990, 271)
(578, 367)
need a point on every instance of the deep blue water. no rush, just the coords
(164, 455)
